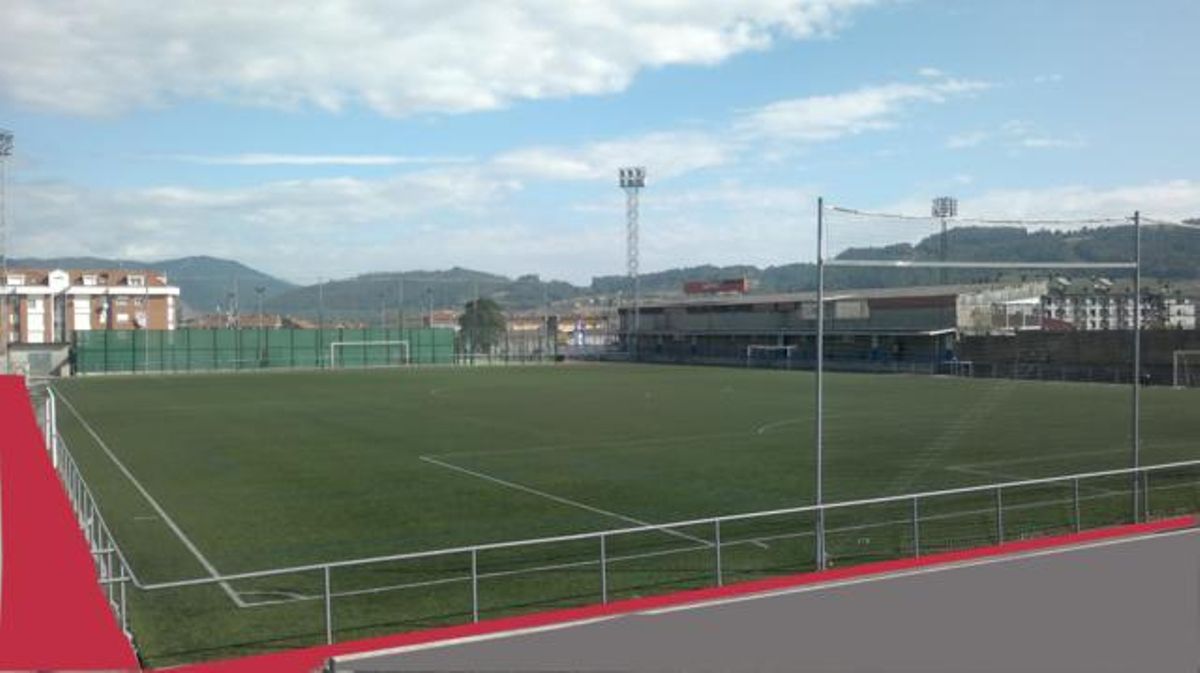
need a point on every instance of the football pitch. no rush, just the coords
(204, 474)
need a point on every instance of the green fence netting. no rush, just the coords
(229, 349)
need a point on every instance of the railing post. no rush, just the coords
(820, 538)
(1079, 516)
(603, 570)
(328, 608)
(999, 515)
(916, 527)
(474, 585)
(717, 550)
(124, 611)
(1146, 494)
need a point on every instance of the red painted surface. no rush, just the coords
(312, 659)
(53, 615)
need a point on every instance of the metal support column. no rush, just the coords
(820, 384)
(603, 570)
(717, 550)
(999, 515)
(1079, 516)
(474, 585)
(1137, 359)
(916, 527)
(328, 609)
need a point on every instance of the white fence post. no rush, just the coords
(474, 584)
(916, 528)
(328, 609)
(717, 550)
(603, 570)
(999, 515)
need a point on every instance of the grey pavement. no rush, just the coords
(1129, 605)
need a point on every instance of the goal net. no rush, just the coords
(1187, 369)
(368, 354)
(769, 356)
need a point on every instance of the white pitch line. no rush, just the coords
(559, 499)
(762, 429)
(162, 513)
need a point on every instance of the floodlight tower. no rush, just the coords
(943, 207)
(6, 148)
(632, 179)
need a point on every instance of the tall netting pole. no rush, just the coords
(820, 384)
(1136, 438)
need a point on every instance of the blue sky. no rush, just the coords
(354, 137)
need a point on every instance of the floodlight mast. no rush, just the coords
(943, 207)
(632, 179)
(6, 149)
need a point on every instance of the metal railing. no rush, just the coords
(112, 568)
(911, 535)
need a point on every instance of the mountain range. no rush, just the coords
(1169, 254)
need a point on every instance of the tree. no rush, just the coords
(482, 325)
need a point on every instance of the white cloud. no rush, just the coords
(1050, 142)
(318, 226)
(107, 56)
(1015, 134)
(871, 108)
(960, 141)
(1172, 199)
(253, 159)
(665, 155)
(1052, 78)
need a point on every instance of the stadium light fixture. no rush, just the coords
(943, 207)
(632, 179)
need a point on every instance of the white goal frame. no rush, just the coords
(788, 350)
(406, 352)
(1178, 366)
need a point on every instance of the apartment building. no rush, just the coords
(45, 306)
(1101, 306)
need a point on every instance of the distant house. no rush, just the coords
(45, 306)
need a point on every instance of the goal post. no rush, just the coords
(769, 355)
(369, 353)
(1186, 369)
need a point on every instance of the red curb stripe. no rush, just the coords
(53, 614)
(311, 659)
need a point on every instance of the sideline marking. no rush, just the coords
(162, 513)
(561, 500)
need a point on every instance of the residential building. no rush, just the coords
(46, 306)
(1100, 305)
